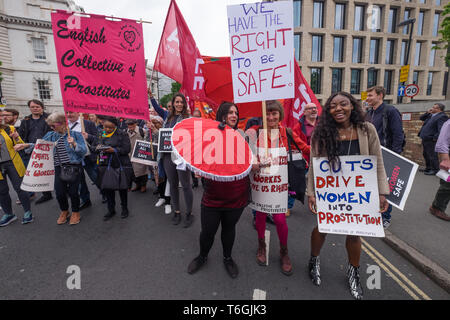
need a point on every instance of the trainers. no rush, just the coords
(27, 217)
(160, 202)
(354, 282)
(7, 219)
(386, 223)
(196, 264)
(188, 221)
(231, 267)
(18, 202)
(167, 209)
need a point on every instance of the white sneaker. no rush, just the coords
(167, 209)
(160, 202)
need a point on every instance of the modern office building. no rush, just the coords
(353, 45)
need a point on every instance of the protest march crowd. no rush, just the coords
(331, 154)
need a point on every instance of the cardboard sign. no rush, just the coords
(165, 140)
(347, 197)
(400, 172)
(40, 173)
(270, 186)
(145, 152)
(101, 65)
(262, 50)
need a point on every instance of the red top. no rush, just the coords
(232, 194)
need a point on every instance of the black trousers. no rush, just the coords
(111, 199)
(65, 190)
(211, 218)
(430, 156)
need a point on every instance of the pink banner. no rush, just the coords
(101, 65)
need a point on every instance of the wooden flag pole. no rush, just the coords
(82, 123)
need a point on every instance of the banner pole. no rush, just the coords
(264, 118)
(82, 123)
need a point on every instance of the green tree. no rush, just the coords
(1, 73)
(168, 97)
(444, 43)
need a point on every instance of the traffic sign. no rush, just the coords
(411, 90)
(404, 71)
(401, 91)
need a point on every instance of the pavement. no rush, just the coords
(420, 237)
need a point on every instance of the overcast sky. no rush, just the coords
(207, 20)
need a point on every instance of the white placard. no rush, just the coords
(270, 185)
(262, 50)
(347, 197)
(40, 173)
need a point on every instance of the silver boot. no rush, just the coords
(354, 282)
(314, 270)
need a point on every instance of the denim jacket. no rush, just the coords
(75, 155)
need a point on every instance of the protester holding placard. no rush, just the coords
(115, 170)
(222, 204)
(70, 149)
(277, 138)
(136, 133)
(342, 131)
(174, 175)
(11, 165)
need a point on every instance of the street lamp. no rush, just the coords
(401, 24)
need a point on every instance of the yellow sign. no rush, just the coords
(363, 95)
(404, 71)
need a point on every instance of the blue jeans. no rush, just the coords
(91, 170)
(387, 215)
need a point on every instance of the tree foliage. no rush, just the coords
(168, 97)
(444, 42)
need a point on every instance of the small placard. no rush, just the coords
(406, 116)
(165, 140)
(145, 153)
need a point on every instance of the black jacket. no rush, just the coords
(25, 128)
(432, 126)
(119, 141)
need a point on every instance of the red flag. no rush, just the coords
(168, 59)
(293, 108)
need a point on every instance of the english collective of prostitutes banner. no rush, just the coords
(101, 65)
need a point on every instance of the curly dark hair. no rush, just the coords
(223, 110)
(325, 137)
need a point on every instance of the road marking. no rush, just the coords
(372, 252)
(259, 294)
(267, 240)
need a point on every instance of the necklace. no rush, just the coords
(344, 135)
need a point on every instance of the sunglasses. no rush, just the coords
(54, 125)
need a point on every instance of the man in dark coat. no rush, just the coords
(429, 133)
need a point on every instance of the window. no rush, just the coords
(372, 77)
(297, 45)
(420, 23)
(388, 76)
(422, 1)
(436, 25)
(38, 48)
(316, 80)
(355, 81)
(359, 18)
(338, 51)
(318, 14)
(416, 77)
(417, 53)
(375, 25)
(374, 51)
(390, 52)
(357, 50)
(336, 80)
(438, 2)
(339, 18)
(406, 16)
(43, 89)
(392, 23)
(432, 56)
(430, 83)
(297, 13)
(316, 48)
(444, 87)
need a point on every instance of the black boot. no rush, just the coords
(189, 220)
(314, 270)
(109, 215)
(176, 219)
(231, 267)
(124, 213)
(196, 264)
(354, 282)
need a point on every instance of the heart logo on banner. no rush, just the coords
(129, 37)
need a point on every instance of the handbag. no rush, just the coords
(115, 178)
(296, 172)
(69, 172)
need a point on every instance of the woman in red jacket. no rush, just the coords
(277, 138)
(222, 203)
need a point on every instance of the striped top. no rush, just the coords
(62, 156)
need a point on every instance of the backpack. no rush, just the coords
(385, 124)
